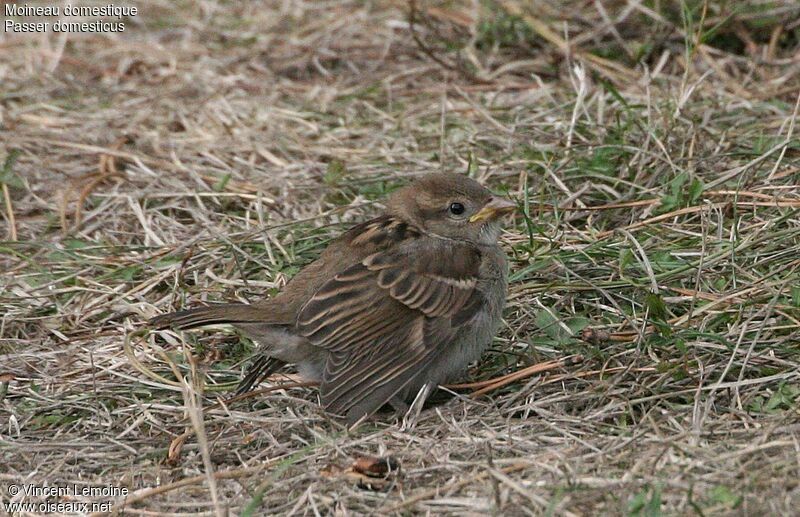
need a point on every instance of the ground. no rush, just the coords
(211, 149)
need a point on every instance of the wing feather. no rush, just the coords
(384, 318)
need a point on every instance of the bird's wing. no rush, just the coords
(385, 317)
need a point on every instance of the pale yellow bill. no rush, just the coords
(496, 207)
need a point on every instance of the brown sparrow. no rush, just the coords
(396, 305)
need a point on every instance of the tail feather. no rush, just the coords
(209, 315)
(237, 314)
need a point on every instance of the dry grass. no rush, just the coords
(211, 149)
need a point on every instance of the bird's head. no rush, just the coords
(451, 206)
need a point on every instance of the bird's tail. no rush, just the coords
(240, 315)
(234, 313)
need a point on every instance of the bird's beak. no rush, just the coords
(496, 207)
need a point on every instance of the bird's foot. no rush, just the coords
(413, 411)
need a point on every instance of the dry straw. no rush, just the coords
(212, 148)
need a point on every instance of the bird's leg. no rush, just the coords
(410, 418)
(399, 405)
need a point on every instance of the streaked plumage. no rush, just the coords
(406, 299)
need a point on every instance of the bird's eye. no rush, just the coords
(456, 208)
